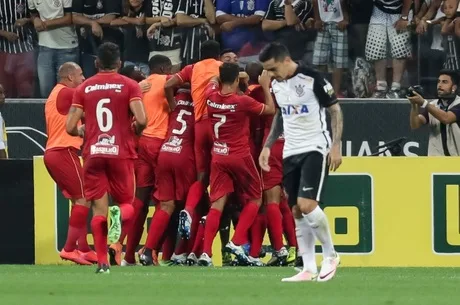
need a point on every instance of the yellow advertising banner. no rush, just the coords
(397, 211)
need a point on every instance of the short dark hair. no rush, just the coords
(453, 75)
(254, 70)
(159, 63)
(210, 49)
(132, 72)
(274, 50)
(224, 51)
(228, 73)
(108, 55)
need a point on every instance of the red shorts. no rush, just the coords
(238, 175)
(109, 175)
(275, 176)
(175, 174)
(203, 145)
(148, 151)
(65, 168)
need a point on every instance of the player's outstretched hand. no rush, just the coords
(335, 158)
(265, 79)
(263, 159)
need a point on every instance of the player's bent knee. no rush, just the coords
(273, 195)
(306, 205)
(168, 206)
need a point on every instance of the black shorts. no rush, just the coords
(304, 176)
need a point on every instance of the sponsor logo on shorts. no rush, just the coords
(171, 149)
(221, 149)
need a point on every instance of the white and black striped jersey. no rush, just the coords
(389, 6)
(302, 100)
(10, 11)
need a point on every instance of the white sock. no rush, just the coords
(381, 85)
(320, 227)
(395, 86)
(306, 242)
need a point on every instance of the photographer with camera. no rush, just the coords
(442, 115)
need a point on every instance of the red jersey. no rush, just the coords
(181, 124)
(105, 99)
(229, 115)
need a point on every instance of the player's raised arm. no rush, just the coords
(184, 76)
(264, 81)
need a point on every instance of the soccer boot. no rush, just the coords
(329, 267)
(90, 256)
(192, 260)
(148, 258)
(115, 224)
(239, 252)
(302, 276)
(168, 263)
(126, 264)
(298, 264)
(255, 262)
(292, 254)
(179, 259)
(226, 259)
(205, 260)
(185, 224)
(279, 258)
(115, 254)
(74, 256)
(103, 269)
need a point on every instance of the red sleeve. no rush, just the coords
(251, 106)
(211, 88)
(64, 100)
(134, 91)
(258, 94)
(78, 98)
(186, 74)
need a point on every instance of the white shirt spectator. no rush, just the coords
(330, 11)
(59, 38)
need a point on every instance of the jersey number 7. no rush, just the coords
(223, 119)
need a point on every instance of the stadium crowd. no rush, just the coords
(357, 41)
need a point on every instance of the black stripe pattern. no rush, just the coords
(10, 11)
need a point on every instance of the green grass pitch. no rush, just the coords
(69, 285)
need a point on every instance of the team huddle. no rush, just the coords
(258, 139)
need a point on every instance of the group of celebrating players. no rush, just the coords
(168, 138)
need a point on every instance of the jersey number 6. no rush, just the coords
(102, 111)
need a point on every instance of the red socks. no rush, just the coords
(137, 228)
(199, 239)
(194, 195)
(210, 230)
(127, 218)
(157, 228)
(77, 226)
(288, 224)
(82, 240)
(257, 234)
(275, 225)
(99, 228)
(246, 220)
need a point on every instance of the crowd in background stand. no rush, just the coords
(356, 41)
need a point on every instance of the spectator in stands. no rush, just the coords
(196, 18)
(3, 143)
(135, 39)
(360, 12)
(292, 25)
(165, 38)
(227, 55)
(17, 59)
(57, 39)
(442, 115)
(331, 21)
(93, 18)
(240, 25)
(388, 25)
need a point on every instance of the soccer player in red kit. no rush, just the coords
(63, 164)
(198, 75)
(108, 101)
(232, 166)
(175, 171)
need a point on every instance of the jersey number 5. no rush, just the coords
(104, 116)
(181, 120)
(222, 119)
